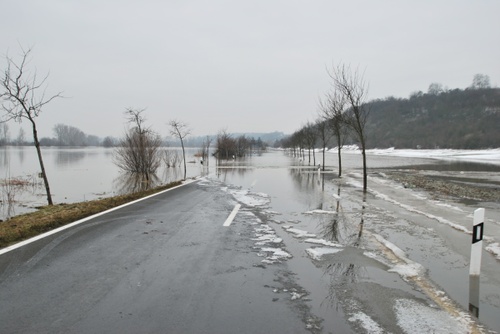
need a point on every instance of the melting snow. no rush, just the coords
(318, 252)
(323, 242)
(298, 233)
(320, 212)
(366, 322)
(494, 249)
(414, 317)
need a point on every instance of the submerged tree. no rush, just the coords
(351, 85)
(181, 131)
(23, 97)
(332, 109)
(139, 151)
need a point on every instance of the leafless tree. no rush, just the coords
(23, 97)
(139, 152)
(332, 108)
(352, 86)
(181, 131)
(206, 151)
(324, 135)
(310, 137)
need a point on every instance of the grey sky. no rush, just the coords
(248, 66)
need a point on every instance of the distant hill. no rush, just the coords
(461, 119)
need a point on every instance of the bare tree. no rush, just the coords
(206, 151)
(23, 97)
(310, 137)
(139, 152)
(181, 131)
(351, 84)
(324, 135)
(332, 109)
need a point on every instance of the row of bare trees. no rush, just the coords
(343, 111)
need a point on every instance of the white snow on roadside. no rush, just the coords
(491, 156)
(414, 317)
(311, 212)
(298, 233)
(318, 252)
(366, 322)
(494, 249)
(407, 269)
(323, 242)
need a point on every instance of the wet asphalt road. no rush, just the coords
(163, 265)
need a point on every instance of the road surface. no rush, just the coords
(163, 265)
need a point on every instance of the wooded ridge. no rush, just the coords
(460, 119)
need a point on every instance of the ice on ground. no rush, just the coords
(277, 255)
(250, 198)
(298, 233)
(366, 322)
(267, 238)
(494, 249)
(296, 295)
(406, 269)
(317, 252)
(414, 317)
(323, 242)
(320, 212)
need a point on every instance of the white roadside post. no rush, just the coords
(477, 243)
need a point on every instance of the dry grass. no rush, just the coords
(50, 217)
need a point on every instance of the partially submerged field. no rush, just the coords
(50, 217)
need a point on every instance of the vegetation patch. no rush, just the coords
(50, 217)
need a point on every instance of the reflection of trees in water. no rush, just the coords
(305, 178)
(223, 172)
(338, 228)
(63, 157)
(128, 183)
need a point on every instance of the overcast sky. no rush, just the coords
(244, 66)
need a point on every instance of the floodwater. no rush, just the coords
(397, 259)
(75, 175)
(391, 260)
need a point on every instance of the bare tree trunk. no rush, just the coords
(42, 166)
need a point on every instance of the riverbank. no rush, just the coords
(49, 217)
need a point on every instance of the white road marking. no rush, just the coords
(229, 219)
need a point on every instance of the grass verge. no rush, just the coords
(49, 217)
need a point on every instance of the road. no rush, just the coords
(163, 265)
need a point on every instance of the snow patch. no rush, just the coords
(414, 317)
(317, 252)
(311, 212)
(250, 198)
(277, 255)
(298, 233)
(494, 249)
(366, 322)
(407, 269)
(323, 242)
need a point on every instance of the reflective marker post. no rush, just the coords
(477, 243)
